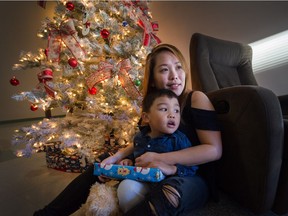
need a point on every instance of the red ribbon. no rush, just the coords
(66, 34)
(138, 13)
(87, 24)
(149, 28)
(43, 77)
(126, 82)
(104, 72)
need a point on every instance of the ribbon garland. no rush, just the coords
(43, 77)
(139, 14)
(105, 71)
(149, 28)
(66, 33)
(126, 82)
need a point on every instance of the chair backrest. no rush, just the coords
(217, 64)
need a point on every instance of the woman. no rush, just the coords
(165, 68)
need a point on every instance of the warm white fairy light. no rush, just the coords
(38, 144)
(40, 35)
(50, 138)
(35, 127)
(81, 85)
(19, 154)
(66, 135)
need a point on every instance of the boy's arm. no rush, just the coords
(119, 155)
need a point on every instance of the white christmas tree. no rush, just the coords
(92, 68)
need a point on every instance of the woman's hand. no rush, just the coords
(146, 158)
(165, 168)
(126, 162)
(152, 159)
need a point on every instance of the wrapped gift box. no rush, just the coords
(67, 159)
(129, 172)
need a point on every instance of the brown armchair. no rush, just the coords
(252, 124)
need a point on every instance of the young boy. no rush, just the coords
(161, 115)
(159, 134)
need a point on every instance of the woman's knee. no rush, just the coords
(130, 193)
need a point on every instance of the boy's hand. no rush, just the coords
(110, 160)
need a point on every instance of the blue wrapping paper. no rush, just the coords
(128, 172)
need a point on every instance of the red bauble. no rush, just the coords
(14, 81)
(104, 33)
(73, 62)
(46, 52)
(70, 6)
(92, 91)
(34, 107)
(47, 74)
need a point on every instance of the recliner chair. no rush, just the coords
(252, 124)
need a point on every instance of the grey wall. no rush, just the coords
(19, 23)
(237, 21)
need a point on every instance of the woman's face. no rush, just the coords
(168, 73)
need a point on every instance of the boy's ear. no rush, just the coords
(145, 117)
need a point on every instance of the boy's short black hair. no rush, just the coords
(153, 95)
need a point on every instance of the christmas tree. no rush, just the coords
(92, 68)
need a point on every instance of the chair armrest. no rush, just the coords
(280, 204)
(252, 137)
(283, 99)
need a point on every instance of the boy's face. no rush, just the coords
(163, 116)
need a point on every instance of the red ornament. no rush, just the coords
(73, 62)
(14, 81)
(70, 6)
(92, 91)
(46, 52)
(34, 107)
(47, 74)
(104, 33)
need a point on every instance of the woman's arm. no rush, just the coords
(210, 147)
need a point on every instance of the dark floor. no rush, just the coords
(26, 184)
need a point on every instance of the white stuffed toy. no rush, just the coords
(102, 200)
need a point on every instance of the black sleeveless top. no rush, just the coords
(192, 119)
